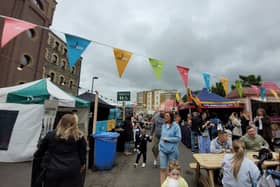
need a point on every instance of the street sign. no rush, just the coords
(123, 96)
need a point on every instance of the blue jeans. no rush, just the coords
(164, 158)
(193, 135)
(204, 144)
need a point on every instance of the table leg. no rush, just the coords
(197, 173)
(211, 178)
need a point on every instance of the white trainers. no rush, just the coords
(143, 165)
(155, 163)
(135, 165)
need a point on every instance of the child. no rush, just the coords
(142, 147)
(136, 134)
(174, 178)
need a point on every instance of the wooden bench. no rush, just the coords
(192, 165)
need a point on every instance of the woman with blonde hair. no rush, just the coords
(64, 154)
(236, 123)
(238, 170)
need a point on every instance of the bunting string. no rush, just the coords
(76, 45)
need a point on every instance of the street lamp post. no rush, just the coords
(92, 83)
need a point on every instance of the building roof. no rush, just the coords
(251, 92)
(91, 97)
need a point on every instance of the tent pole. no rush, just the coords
(95, 112)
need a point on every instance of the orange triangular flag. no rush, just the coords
(12, 28)
(122, 57)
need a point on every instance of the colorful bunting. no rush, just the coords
(262, 93)
(239, 88)
(157, 66)
(224, 82)
(122, 58)
(274, 93)
(178, 98)
(12, 28)
(256, 89)
(194, 99)
(75, 47)
(184, 74)
(206, 77)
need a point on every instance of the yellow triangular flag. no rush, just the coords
(122, 58)
(274, 93)
(178, 98)
(224, 82)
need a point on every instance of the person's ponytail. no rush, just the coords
(239, 149)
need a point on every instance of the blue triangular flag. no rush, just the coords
(262, 93)
(206, 78)
(75, 48)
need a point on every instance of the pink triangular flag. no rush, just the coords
(12, 28)
(184, 72)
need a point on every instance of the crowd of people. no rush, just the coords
(65, 147)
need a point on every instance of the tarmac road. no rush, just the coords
(122, 175)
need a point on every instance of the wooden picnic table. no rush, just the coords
(211, 161)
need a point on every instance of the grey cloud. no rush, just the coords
(225, 38)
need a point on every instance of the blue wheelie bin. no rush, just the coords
(105, 150)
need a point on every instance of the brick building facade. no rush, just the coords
(36, 53)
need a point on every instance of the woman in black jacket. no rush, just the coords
(64, 154)
(128, 134)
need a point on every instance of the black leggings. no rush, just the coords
(144, 157)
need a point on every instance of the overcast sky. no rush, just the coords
(224, 38)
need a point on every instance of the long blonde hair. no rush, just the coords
(239, 150)
(68, 127)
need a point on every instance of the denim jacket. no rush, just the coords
(172, 134)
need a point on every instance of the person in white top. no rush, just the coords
(238, 170)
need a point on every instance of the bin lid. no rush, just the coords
(106, 135)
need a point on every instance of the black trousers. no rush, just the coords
(53, 180)
(144, 157)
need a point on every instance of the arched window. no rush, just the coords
(56, 45)
(54, 59)
(64, 51)
(24, 61)
(71, 84)
(39, 4)
(61, 80)
(52, 76)
(31, 33)
(73, 71)
(63, 64)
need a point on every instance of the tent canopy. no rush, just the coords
(37, 92)
(211, 100)
(90, 97)
(207, 97)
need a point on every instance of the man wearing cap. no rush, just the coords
(220, 143)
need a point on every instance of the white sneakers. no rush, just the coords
(143, 165)
(155, 163)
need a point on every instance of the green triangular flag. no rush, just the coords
(157, 66)
(238, 86)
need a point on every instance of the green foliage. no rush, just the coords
(249, 80)
(218, 89)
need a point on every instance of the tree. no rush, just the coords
(249, 80)
(218, 89)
